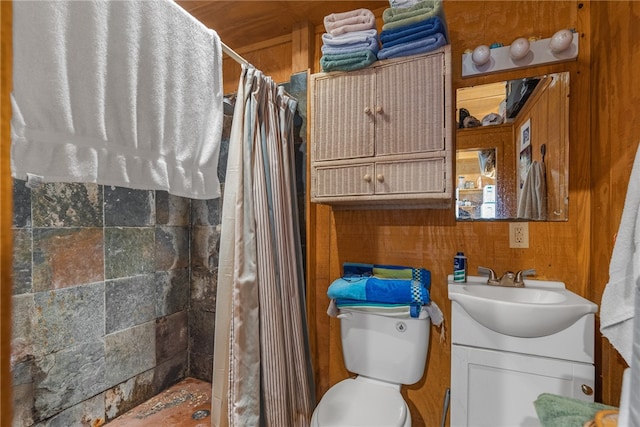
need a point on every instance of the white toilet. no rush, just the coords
(385, 352)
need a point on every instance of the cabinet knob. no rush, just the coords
(380, 178)
(367, 177)
(586, 389)
(379, 109)
(367, 110)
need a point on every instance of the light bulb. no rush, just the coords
(560, 41)
(519, 48)
(481, 54)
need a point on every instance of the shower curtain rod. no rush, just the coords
(239, 59)
(234, 55)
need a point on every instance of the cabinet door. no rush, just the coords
(497, 389)
(353, 180)
(343, 116)
(410, 106)
(413, 176)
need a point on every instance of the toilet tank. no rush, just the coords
(391, 349)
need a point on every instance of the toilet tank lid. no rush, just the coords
(362, 403)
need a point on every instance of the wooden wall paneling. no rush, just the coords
(337, 371)
(230, 75)
(317, 53)
(273, 57)
(578, 242)
(302, 46)
(604, 197)
(557, 157)
(319, 244)
(247, 22)
(6, 212)
(616, 133)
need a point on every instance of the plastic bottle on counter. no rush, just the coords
(460, 268)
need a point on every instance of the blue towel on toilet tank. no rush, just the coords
(381, 290)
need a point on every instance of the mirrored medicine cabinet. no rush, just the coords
(512, 150)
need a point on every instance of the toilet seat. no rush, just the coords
(362, 402)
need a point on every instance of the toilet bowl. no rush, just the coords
(362, 402)
(385, 353)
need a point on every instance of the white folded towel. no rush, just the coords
(345, 22)
(125, 93)
(617, 306)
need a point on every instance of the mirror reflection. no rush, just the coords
(512, 150)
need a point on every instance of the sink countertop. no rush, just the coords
(540, 308)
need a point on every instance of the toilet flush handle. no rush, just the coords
(344, 316)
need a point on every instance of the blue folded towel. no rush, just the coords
(374, 289)
(369, 44)
(348, 61)
(415, 47)
(422, 29)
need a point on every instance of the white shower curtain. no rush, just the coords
(262, 372)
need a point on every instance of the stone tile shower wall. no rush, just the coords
(101, 299)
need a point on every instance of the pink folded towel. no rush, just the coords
(355, 20)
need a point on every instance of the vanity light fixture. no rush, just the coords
(563, 46)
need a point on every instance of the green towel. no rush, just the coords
(561, 411)
(394, 14)
(348, 61)
(412, 20)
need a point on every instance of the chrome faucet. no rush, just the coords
(509, 278)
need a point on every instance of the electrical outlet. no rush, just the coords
(518, 234)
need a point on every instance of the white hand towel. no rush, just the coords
(125, 93)
(533, 197)
(617, 306)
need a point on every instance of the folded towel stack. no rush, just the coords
(351, 41)
(412, 30)
(385, 289)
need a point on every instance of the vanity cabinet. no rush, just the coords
(496, 377)
(381, 136)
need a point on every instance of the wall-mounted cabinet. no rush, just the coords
(381, 136)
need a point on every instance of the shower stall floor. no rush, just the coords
(185, 404)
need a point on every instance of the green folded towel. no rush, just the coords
(348, 61)
(393, 14)
(561, 411)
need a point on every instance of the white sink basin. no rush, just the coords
(540, 308)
